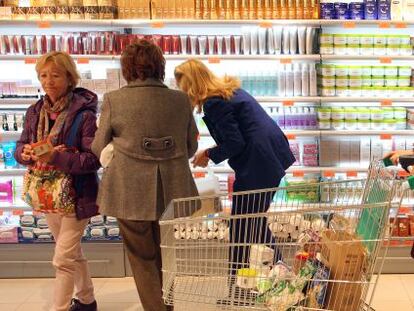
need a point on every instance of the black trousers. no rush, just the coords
(247, 229)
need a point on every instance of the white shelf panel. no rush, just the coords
(366, 57)
(305, 169)
(11, 135)
(276, 99)
(12, 172)
(377, 23)
(362, 132)
(290, 132)
(75, 56)
(366, 99)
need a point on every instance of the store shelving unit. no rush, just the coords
(108, 258)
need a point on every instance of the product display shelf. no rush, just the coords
(292, 169)
(12, 172)
(375, 58)
(5, 136)
(289, 133)
(365, 132)
(386, 101)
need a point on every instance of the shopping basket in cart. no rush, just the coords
(277, 249)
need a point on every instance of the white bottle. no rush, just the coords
(289, 80)
(282, 81)
(305, 80)
(312, 81)
(297, 80)
(396, 10)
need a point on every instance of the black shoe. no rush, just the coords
(76, 305)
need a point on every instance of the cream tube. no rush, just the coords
(237, 42)
(211, 40)
(227, 42)
(281, 77)
(254, 40)
(193, 44)
(262, 41)
(202, 42)
(293, 40)
(270, 42)
(286, 41)
(220, 45)
(183, 41)
(246, 40)
(277, 39)
(310, 35)
(302, 40)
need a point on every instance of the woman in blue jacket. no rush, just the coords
(256, 149)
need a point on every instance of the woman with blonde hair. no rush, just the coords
(254, 145)
(63, 124)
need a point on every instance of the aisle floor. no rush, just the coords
(395, 292)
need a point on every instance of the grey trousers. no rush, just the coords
(142, 242)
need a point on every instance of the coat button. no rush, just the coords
(147, 144)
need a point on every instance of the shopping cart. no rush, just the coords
(312, 246)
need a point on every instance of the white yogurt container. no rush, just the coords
(391, 71)
(340, 39)
(364, 125)
(355, 70)
(366, 39)
(328, 91)
(380, 39)
(342, 91)
(366, 49)
(324, 113)
(328, 81)
(327, 70)
(327, 49)
(351, 125)
(353, 39)
(377, 125)
(380, 49)
(376, 114)
(355, 81)
(400, 113)
(340, 49)
(377, 81)
(338, 124)
(403, 81)
(351, 113)
(393, 50)
(393, 40)
(324, 124)
(352, 49)
(341, 70)
(391, 81)
(354, 91)
(337, 113)
(377, 71)
(366, 81)
(406, 50)
(327, 38)
(341, 81)
(366, 70)
(363, 114)
(404, 71)
(388, 112)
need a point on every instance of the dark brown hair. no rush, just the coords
(142, 60)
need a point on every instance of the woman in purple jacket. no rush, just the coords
(51, 120)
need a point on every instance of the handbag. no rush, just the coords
(52, 191)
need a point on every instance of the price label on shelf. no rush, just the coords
(349, 24)
(400, 25)
(384, 24)
(83, 60)
(1, 212)
(17, 212)
(286, 60)
(44, 24)
(386, 102)
(157, 25)
(291, 136)
(298, 173)
(214, 60)
(288, 103)
(329, 174)
(385, 60)
(199, 174)
(30, 60)
(266, 25)
(352, 174)
(385, 136)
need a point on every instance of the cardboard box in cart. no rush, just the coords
(345, 256)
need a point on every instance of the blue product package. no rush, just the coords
(384, 9)
(8, 151)
(329, 6)
(341, 5)
(342, 13)
(371, 9)
(328, 14)
(357, 10)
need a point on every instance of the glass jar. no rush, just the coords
(324, 113)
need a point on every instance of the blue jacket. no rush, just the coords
(257, 149)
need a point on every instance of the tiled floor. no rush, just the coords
(394, 293)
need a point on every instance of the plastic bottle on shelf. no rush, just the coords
(312, 81)
(288, 118)
(289, 81)
(305, 80)
(297, 80)
(313, 119)
(281, 81)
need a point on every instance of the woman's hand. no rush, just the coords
(27, 152)
(200, 159)
(48, 156)
(395, 155)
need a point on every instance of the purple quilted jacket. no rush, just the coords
(84, 163)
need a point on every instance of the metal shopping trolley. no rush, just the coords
(309, 246)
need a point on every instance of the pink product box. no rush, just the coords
(8, 235)
(310, 149)
(6, 191)
(310, 160)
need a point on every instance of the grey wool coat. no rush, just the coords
(154, 134)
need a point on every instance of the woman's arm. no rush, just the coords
(84, 161)
(24, 139)
(222, 115)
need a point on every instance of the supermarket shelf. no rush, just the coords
(213, 58)
(337, 22)
(367, 99)
(366, 57)
(12, 172)
(17, 103)
(287, 100)
(56, 24)
(293, 132)
(304, 169)
(362, 132)
(5, 136)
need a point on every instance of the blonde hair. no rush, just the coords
(64, 62)
(195, 79)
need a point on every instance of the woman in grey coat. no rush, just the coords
(154, 134)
